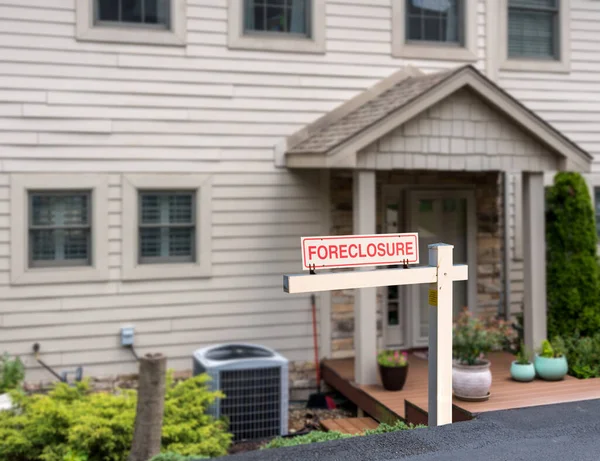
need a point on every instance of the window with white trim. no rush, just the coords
(533, 29)
(167, 225)
(59, 228)
(277, 25)
(435, 29)
(160, 22)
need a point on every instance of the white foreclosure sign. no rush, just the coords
(341, 251)
(391, 249)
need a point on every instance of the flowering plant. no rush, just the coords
(473, 338)
(392, 359)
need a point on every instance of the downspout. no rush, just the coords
(507, 261)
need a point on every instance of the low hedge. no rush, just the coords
(318, 436)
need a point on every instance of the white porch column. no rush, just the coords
(365, 299)
(534, 256)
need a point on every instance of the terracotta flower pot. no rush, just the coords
(393, 378)
(471, 382)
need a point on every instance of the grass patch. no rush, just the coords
(318, 436)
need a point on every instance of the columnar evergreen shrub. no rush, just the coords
(573, 274)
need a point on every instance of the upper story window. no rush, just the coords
(440, 21)
(535, 35)
(277, 25)
(145, 13)
(156, 22)
(533, 29)
(277, 16)
(435, 29)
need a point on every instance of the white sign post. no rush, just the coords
(378, 250)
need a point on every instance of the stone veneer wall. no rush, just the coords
(490, 241)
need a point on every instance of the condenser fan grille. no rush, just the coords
(253, 402)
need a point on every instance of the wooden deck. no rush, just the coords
(410, 403)
(349, 425)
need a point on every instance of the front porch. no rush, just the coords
(410, 404)
(409, 141)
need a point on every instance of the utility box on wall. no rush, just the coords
(254, 380)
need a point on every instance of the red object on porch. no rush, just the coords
(318, 399)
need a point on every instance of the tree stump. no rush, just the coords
(150, 408)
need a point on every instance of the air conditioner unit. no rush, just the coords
(254, 380)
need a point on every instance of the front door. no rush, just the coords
(446, 216)
(440, 217)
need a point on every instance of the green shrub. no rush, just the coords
(72, 423)
(573, 274)
(583, 356)
(318, 436)
(12, 373)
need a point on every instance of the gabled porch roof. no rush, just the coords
(334, 140)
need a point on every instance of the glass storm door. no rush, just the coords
(394, 319)
(440, 217)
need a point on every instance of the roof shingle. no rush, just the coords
(369, 113)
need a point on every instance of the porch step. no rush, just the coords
(415, 411)
(349, 425)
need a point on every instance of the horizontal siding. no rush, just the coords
(568, 101)
(72, 106)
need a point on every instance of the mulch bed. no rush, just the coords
(301, 420)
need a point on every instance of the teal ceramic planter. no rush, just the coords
(551, 369)
(523, 373)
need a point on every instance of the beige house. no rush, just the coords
(427, 154)
(205, 104)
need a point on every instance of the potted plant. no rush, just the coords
(393, 369)
(522, 369)
(473, 338)
(551, 362)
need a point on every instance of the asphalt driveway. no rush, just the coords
(561, 432)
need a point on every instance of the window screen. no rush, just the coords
(435, 21)
(533, 29)
(166, 227)
(277, 16)
(148, 13)
(59, 229)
